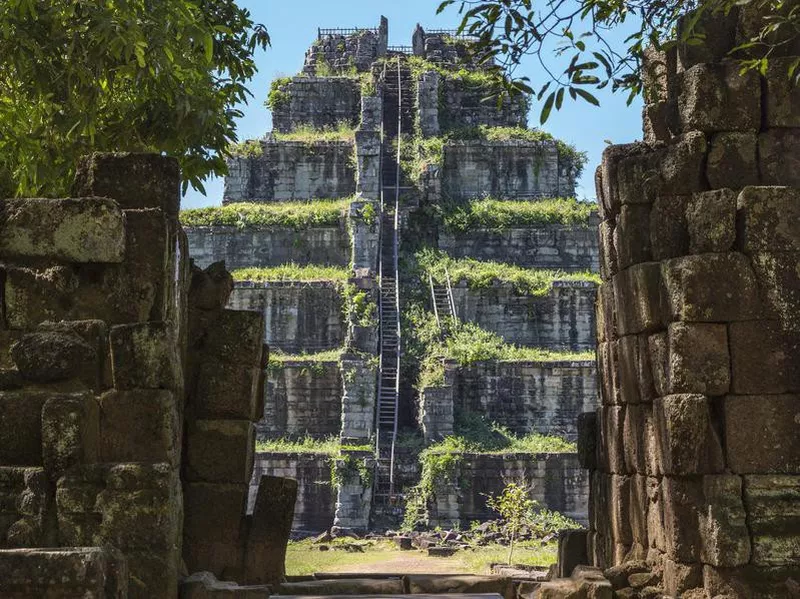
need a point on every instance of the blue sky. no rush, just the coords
(293, 27)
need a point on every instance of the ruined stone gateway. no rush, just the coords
(152, 405)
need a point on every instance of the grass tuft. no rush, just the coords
(293, 272)
(306, 133)
(331, 446)
(294, 215)
(483, 274)
(491, 213)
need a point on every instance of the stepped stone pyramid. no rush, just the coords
(386, 187)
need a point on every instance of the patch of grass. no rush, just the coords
(250, 148)
(306, 133)
(294, 215)
(331, 355)
(480, 274)
(528, 553)
(491, 213)
(331, 446)
(303, 558)
(304, 273)
(473, 433)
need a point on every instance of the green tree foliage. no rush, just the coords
(578, 34)
(131, 75)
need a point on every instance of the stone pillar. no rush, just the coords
(355, 475)
(359, 382)
(428, 103)
(436, 417)
(364, 223)
(698, 438)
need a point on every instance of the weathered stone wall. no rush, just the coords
(318, 102)
(303, 397)
(464, 105)
(510, 169)
(316, 500)
(697, 463)
(91, 340)
(564, 247)
(562, 319)
(300, 317)
(292, 170)
(557, 482)
(341, 52)
(543, 397)
(261, 247)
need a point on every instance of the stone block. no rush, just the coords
(153, 575)
(769, 219)
(609, 266)
(21, 427)
(69, 230)
(716, 97)
(636, 174)
(733, 160)
(613, 156)
(141, 508)
(638, 297)
(268, 530)
(681, 499)
(25, 508)
(220, 451)
(773, 510)
(779, 157)
(70, 426)
(655, 515)
(572, 551)
(679, 578)
(139, 426)
(606, 313)
(632, 235)
(226, 390)
(237, 338)
(669, 236)
(711, 288)
(685, 436)
(758, 347)
(782, 99)
(658, 346)
(711, 220)
(620, 512)
(638, 512)
(204, 585)
(719, 37)
(213, 531)
(633, 440)
(725, 540)
(422, 584)
(611, 441)
(762, 433)
(73, 572)
(587, 440)
(54, 356)
(683, 164)
(698, 358)
(145, 356)
(779, 280)
(135, 181)
(210, 288)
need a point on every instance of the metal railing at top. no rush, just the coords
(450, 32)
(345, 32)
(402, 49)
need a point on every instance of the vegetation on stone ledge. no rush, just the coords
(303, 273)
(294, 215)
(329, 446)
(441, 461)
(250, 148)
(491, 213)
(466, 343)
(484, 274)
(278, 97)
(306, 133)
